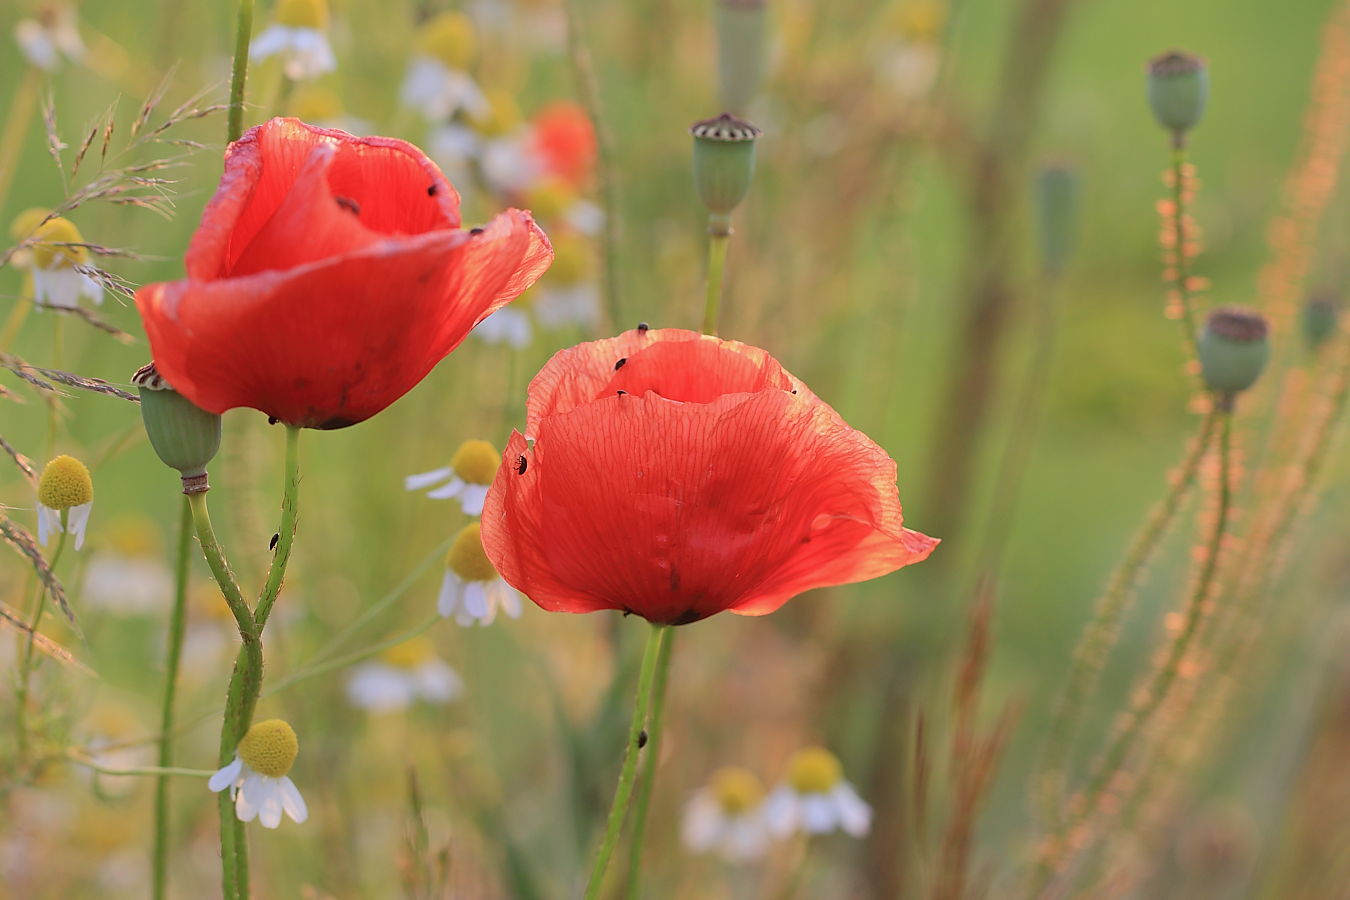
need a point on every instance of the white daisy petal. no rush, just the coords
(248, 799)
(437, 682)
(855, 816)
(473, 498)
(269, 811)
(476, 603)
(78, 520)
(225, 776)
(780, 811)
(380, 688)
(427, 479)
(449, 490)
(449, 600)
(291, 801)
(505, 597)
(48, 521)
(817, 813)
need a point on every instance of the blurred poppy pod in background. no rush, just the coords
(676, 475)
(328, 276)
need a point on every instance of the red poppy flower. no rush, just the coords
(675, 475)
(328, 276)
(565, 141)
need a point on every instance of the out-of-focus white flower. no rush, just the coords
(726, 816)
(455, 149)
(257, 776)
(471, 590)
(560, 306)
(467, 478)
(53, 34)
(58, 261)
(438, 83)
(508, 325)
(816, 799)
(402, 675)
(129, 576)
(298, 36)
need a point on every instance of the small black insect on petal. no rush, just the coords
(273, 545)
(475, 231)
(271, 420)
(643, 326)
(349, 204)
(794, 390)
(521, 464)
(620, 393)
(642, 738)
(619, 365)
(431, 190)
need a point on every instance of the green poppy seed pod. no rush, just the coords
(1321, 315)
(1178, 86)
(1057, 215)
(724, 163)
(741, 39)
(1234, 348)
(185, 436)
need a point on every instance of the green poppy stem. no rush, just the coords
(647, 782)
(242, 36)
(717, 261)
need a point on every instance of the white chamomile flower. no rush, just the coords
(298, 37)
(468, 476)
(52, 35)
(472, 591)
(816, 798)
(508, 325)
(402, 675)
(438, 84)
(129, 575)
(257, 776)
(509, 163)
(726, 817)
(455, 148)
(65, 495)
(58, 260)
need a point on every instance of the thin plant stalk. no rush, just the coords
(647, 780)
(1159, 687)
(26, 667)
(656, 637)
(1090, 654)
(286, 539)
(239, 74)
(177, 624)
(717, 260)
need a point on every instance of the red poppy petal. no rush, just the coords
(387, 178)
(333, 342)
(678, 511)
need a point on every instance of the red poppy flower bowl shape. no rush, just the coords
(675, 475)
(328, 276)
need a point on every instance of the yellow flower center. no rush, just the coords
(502, 116)
(814, 771)
(48, 252)
(26, 222)
(315, 104)
(65, 482)
(467, 558)
(303, 14)
(449, 37)
(476, 462)
(736, 790)
(409, 654)
(572, 259)
(269, 748)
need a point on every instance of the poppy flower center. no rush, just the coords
(467, 558)
(65, 482)
(269, 748)
(814, 771)
(736, 790)
(476, 462)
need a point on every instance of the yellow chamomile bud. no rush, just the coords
(65, 483)
(467, 558)
(814, 771)
(303, 14)
(736, 790)
(269, 748)
(476, 462)
(49, 251)
(449, 38)
(501, 115)
(410, 654)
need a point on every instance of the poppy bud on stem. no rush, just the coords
(1234, 349)
(1178, 86)
(184, 436)
(724, 164)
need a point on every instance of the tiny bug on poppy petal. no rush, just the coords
(620, 393)
(521, 465)
(475, 231)
(643, 326)
(619, 365)
(431, 190)
(349, 204)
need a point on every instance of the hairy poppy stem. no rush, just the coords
(26, 668)
(638, 739)
(717, 262)
(177, 622)
(647, 782)
(242, 36)
(290, 497)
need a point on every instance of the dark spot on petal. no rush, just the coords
(475, 231)
(349, 204)
(619, 365)
(643, 326)
(684, 618)
(642, 738)
(521, 464)
(273, 545)
(431, 190)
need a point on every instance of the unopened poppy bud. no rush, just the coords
(1057, 209)
(1178, 86)
(1321, 315)
(724, 163)
(741, 27)
(185, 436)
(1234, 348)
